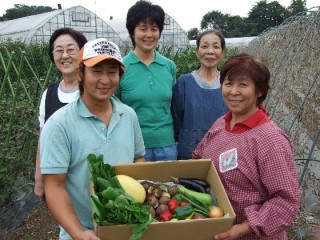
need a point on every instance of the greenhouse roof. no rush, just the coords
(119, 26)
(26, 23)
(39, 28)
(172, 33)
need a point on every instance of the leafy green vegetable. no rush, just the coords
(102, 183)
(110, 202)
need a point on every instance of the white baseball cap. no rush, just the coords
(98, 50)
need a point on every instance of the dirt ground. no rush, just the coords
(39, 225)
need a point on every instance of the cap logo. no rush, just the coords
(98, 50)
(106, 47)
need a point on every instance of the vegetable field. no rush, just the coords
(24, 72)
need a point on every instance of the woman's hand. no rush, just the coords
(39, 187)
(234, 232)
(38, 178)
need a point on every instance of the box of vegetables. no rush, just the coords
(176, 200)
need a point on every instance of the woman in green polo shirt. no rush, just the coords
(148, 81)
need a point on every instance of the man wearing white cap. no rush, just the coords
(95, 123)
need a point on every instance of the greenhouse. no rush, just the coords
(172, 35)
(38, 28)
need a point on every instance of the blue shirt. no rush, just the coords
(72, 133)
(195, 107)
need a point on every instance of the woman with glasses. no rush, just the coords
(64, 46)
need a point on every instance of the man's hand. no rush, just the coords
(88, 235)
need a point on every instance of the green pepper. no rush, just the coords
(183, 212)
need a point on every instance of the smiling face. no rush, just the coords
(146, 36)
(240, 96)
(100, 82)
(210, 50)
(65, 54)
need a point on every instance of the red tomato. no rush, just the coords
(172, 204)
(183, 203)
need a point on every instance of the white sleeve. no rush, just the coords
(42, 109)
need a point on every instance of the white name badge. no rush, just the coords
(228, 160)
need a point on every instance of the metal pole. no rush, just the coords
(309, 157)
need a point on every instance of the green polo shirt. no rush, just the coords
(148, 90)
(72, 133)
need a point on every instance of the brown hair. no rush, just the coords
(246, 65)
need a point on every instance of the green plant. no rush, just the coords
(25, 71)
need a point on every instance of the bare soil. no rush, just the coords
(39, 225)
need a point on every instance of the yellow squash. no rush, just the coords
(132, 187)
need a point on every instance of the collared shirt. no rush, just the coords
(258, 118)
(148, 90)
(257, 170)
(72, 133)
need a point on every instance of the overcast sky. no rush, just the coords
(188, 13)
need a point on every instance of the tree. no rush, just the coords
(230, 26)
(21, 10)
(238, 27)
(265, 15)
(297, 6)
(193, 33)
(216, 20)
(262, 16)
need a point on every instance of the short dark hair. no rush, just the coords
(246, 65)
(142, 11)
(76, 35)
(214, 31)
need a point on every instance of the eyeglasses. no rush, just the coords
(58, 52)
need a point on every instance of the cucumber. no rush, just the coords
(203, 197)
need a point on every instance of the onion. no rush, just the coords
(215, 212)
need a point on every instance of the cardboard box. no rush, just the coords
(180, 230)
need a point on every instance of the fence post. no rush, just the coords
(309, 157)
